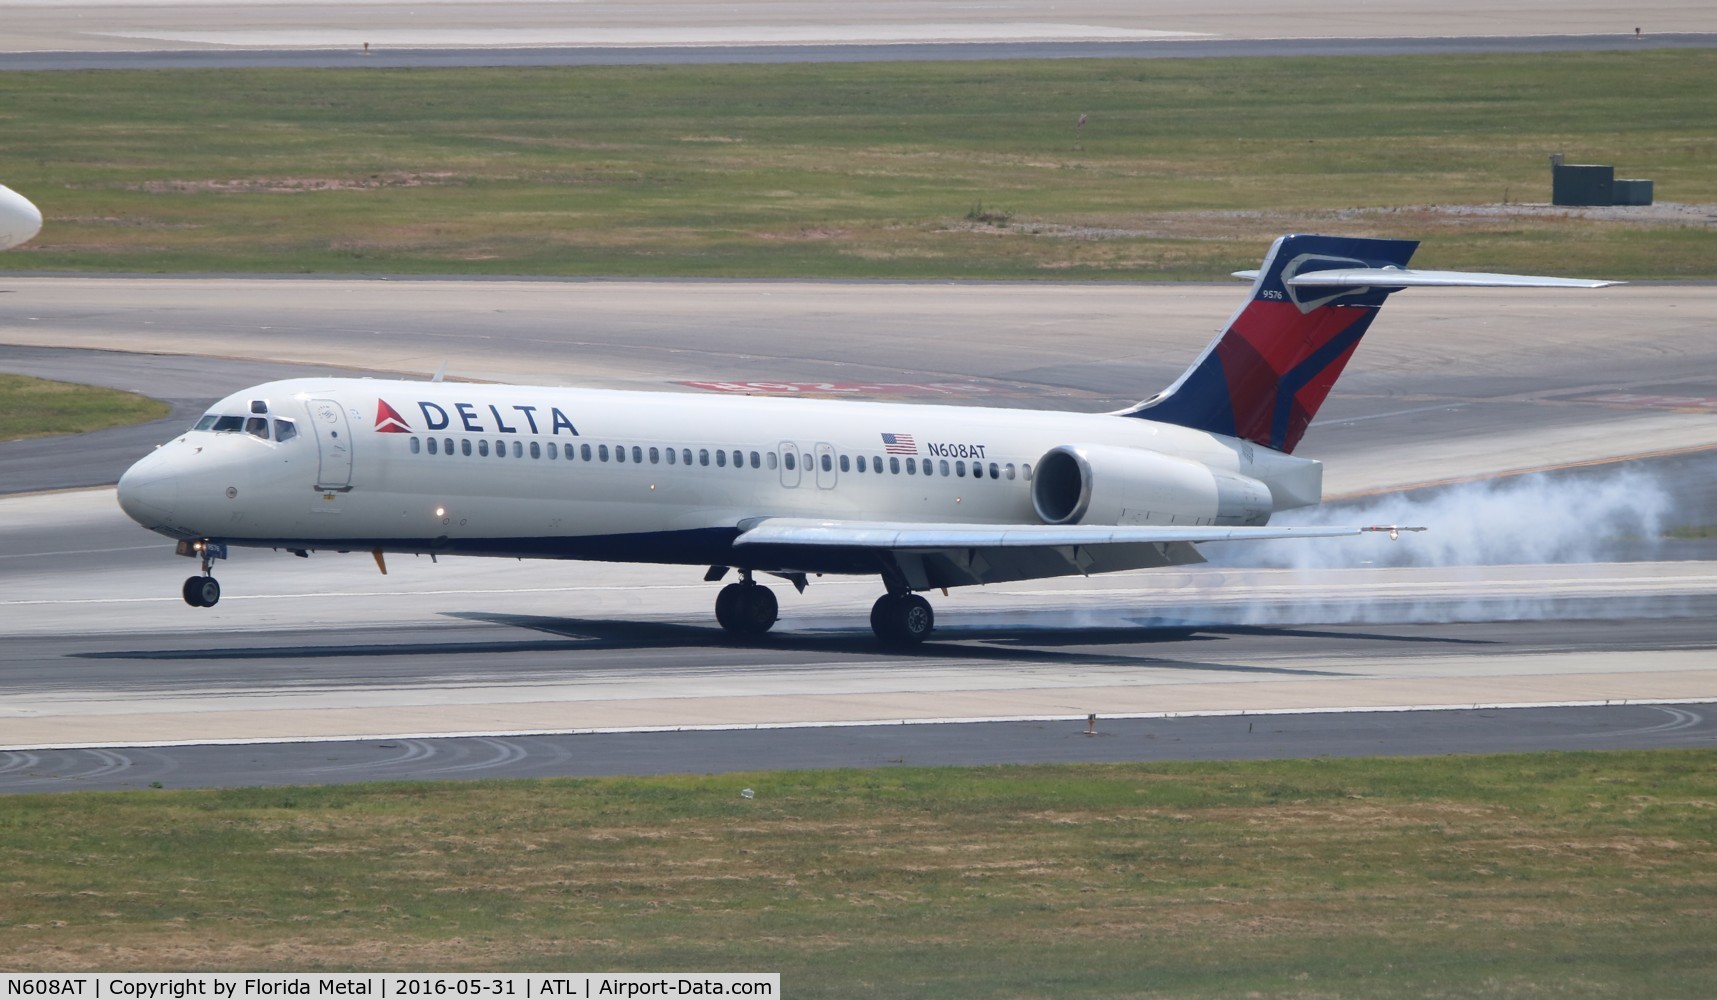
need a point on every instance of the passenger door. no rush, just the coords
(333, 445)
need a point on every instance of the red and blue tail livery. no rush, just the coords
(1264, 377)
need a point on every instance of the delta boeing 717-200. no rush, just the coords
(924, 497)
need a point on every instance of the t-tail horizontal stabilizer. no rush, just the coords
(1266, 374)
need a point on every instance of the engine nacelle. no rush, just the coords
(1104, 484)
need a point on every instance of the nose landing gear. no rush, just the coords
(202, 591)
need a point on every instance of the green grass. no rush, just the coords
(32, 407)
(1506, 876)
(1186, 169)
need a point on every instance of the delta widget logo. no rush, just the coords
(388, 420)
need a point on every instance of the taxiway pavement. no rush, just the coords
(1228, 737)
(1449, 384)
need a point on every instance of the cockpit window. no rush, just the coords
(285, 430)
(228, 423)
(257, 427)
(259, 406)
(207, 422)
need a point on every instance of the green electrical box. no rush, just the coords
(1582, 184)
(1631, 191)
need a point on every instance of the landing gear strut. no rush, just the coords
(202, 591)
(902, 619)
(746, 609)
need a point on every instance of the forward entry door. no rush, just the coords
(333, 445)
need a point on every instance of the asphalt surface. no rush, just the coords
(1450, 383)
(397, 58)
(1242, 737)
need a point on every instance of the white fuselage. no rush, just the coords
(628, 476)
(20, 220)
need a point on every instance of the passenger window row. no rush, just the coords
(721, 458)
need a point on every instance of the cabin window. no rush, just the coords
(720, 459)
(876, 465)
(703, 456)
(584, 452)
(416, 445)
(602, 452)
(944, 464)
(912, 466)
(518, 449)
(483, 447)
(828, 462)
(571, 453)
(1025, 470)
(860, 463)
(553, 452)
(637, 454)
(756, 460)
(977, 470)
(619, 453)
(995, 471)
(432, 448)
(685, 456)
(465, 447)
(959, 468)
(673, 456)
(771, 459)
(1010, 468)
(893, 465)
(790, 461)
(500, 449)
(655, 455)
(846, 466)
(536, 450)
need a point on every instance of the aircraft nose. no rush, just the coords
(20, 220)
(148, 494)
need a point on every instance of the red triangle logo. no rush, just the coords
(388, 420)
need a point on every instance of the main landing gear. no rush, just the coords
(902, 619)
(746, 609)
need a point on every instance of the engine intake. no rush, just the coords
(1106, 484)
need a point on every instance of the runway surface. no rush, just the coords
(350, 55)
(115, 25)
(1449, 383)
(1246, 737)
(114, 34)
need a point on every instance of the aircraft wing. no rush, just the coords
(945, 555)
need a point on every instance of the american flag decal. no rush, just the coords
(899, 444)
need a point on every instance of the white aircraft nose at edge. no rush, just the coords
(925, 497)
(20, 220)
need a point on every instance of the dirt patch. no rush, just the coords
(294, 185)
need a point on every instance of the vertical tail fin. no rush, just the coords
(1265, 375)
